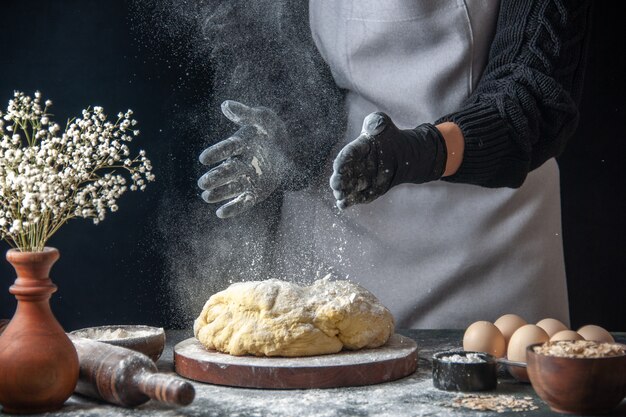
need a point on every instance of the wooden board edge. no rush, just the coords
(297, 378)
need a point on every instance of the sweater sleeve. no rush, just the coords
(525, 106)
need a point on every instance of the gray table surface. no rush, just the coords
(410, 396)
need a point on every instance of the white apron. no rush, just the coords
(437, 254)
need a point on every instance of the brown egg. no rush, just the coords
(595, 333)
(565, 335)
(524, 336)
(552, 326)
(483, 336)
(507, 325)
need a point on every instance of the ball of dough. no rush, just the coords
(279, 318)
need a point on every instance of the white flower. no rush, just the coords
(48, 176)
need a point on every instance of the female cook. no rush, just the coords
(444, 170)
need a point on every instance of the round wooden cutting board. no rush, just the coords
(396, 359)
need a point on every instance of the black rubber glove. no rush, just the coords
(384, 156)
(253, 164)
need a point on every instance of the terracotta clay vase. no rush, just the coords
(38, 362)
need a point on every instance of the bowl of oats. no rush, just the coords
(578, 377)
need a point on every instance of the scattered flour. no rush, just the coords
(413, 396)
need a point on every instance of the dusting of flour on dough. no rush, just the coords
(279, 318)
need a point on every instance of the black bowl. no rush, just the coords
(459, 376)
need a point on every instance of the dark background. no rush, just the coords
(82, 52)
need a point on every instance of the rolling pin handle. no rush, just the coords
(166, 388)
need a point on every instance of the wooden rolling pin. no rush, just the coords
(122, 376)
(125, 377)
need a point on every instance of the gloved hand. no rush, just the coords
(253, 164)
(384, 156)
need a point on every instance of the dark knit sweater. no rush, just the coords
(525, 106)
